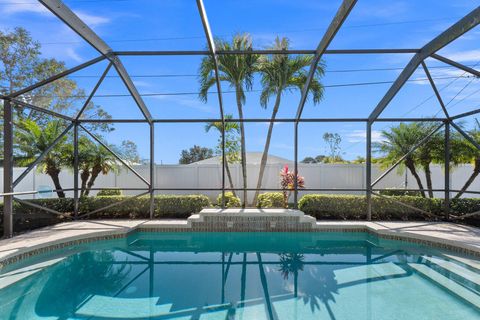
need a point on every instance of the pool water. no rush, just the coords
(243, 276)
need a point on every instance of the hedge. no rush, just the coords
(109, 192)
(270, 200)
(166, 206)
(353, 207)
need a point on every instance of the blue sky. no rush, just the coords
(170, 25)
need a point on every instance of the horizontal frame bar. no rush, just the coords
(293, 120)
(260, 51)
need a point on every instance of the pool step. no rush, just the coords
(447, 283)
(455, 268)
(474, 264)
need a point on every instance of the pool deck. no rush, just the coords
(447, 234)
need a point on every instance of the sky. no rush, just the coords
(170, 84)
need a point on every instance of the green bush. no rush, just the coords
(270, 200)
(230, 200)
(352, 207)
(109, 192)
(400, 192)
(166, 206)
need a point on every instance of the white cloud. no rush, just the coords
(92, 20)
(464, 56)
(356, 136)
(70, 52)
(13, 7)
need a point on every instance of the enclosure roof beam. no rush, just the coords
(213, 53)
(260, 51)
(463, 25)
(456, 64)
(64, 13)
(435, 90)
(340, 16)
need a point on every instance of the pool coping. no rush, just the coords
(453, 237)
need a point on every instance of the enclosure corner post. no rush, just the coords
(368, 173)
(75, 170)
(8, 169)
(224, 159)
(152, 170)
(295, 174)
(447, 170)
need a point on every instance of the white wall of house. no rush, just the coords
(318, 176)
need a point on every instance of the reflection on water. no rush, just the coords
(243, 276)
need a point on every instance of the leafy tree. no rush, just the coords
(194, 154)
(33, 140)
(281, 73)
(308, 160)
(333, 141)
(238, 72)
(398, 141)
(232, 144)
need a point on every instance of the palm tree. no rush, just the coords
(231, 144)
(237, 70)
(398, 141)
(428, 152)
(468, 154)
(101, 161)
(33, 140)
(282, 73)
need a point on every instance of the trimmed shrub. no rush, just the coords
(400, 192)
(166, 206)
(230, 200)
(270, 200)
(109, 192)
(353, 207)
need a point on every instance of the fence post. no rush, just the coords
(7, 169)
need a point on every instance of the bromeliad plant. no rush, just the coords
(287, 183)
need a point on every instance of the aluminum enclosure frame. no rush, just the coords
(64, 13)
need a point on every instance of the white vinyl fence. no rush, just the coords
(318, 176)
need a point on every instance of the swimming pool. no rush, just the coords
(322, 275)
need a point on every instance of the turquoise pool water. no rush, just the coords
(243, 276)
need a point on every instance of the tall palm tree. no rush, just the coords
(33, 139)
(238, 71)
(282, 73)
(398, 141)
(427, 153)
(469, 154)
(231, 144)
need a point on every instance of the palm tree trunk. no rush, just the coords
(230, 180)
(428, 177)
(54, 174)
(95, 173)
(475, 173)
(263, 162)
(411, 166)
(84, 177)
(242, 147)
